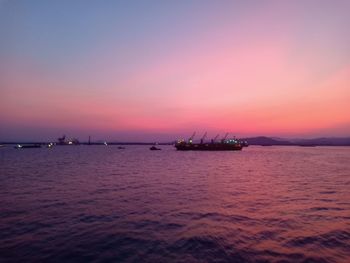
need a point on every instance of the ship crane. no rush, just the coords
(213, 140)
(223, 139)
(204, 136)
(62, 139)
(191, 138)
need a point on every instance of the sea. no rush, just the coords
(104, 204)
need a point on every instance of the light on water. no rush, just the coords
(94, 203)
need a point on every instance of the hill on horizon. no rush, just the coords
(323, 141)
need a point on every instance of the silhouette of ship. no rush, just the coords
(62, 141)
(27, 146)
(222, 145)
(154, 148)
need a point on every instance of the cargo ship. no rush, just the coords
(222, 145)
(62, 141)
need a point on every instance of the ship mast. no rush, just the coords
(204, 136)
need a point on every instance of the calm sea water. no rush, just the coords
(102, 204)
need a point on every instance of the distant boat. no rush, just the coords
(62, 141)
(26, 146)
(154, 148)
(121, 147)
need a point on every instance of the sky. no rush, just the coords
(158, 70)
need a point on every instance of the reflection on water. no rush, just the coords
(96, 203)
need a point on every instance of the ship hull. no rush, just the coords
(208, 147)
(27, 146)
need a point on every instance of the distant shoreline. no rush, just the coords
(86, 143)
(259, 141)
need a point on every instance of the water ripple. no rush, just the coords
(100, 204)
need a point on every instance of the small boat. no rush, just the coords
(154, 148)
(121, 147)
(26, 146)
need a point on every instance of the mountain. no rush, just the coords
(267, 141)
(323, 141)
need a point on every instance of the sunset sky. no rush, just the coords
(156, 70)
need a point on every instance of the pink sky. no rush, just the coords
(276, 69)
